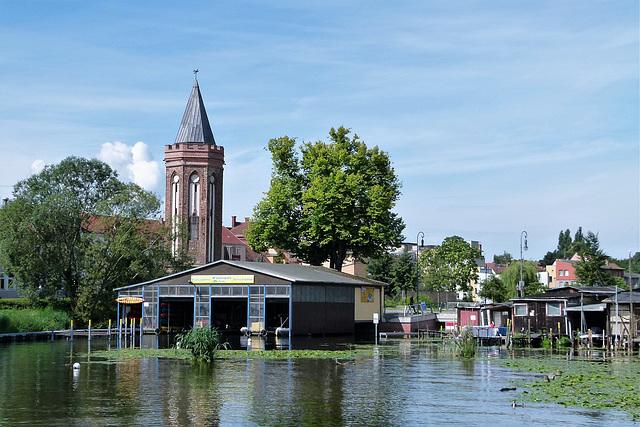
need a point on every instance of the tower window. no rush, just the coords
(194, 206)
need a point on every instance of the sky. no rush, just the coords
(499, 117)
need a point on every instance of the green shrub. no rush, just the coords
(32, 320)
(563, 342)
(545, 342)
(202, 341)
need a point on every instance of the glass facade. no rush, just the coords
(201, 297)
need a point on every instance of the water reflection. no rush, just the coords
(419, 384)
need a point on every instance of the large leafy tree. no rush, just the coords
(511, 278)
(589, 269)
(451, 267)
(336, 199)
(495, 290)
(75, 230)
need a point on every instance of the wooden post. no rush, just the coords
(71, 335)
(133, 332)
(52, 330)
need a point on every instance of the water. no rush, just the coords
(414, 386)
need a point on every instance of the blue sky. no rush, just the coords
(499, 116)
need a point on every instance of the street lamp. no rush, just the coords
(521, 284)
(420, 233)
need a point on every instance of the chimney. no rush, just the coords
(246, 219)
(233, 221)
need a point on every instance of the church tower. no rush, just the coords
(194, 165)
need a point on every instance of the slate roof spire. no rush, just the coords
(195, 128)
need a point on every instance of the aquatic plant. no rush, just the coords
(204, 343)
(610, 385)
(463, 344)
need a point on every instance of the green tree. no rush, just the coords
(503, 259)
(335, 200)
(380, 268)
(450, 267)
(495, 290)
(76, 230)
(564, 245)
(579, 237)
(403, 277)
(549, 258)
(589, 269)
(511, 278)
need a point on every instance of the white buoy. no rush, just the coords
(76, 365)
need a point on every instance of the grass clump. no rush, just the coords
(204, 343)
(463, 344)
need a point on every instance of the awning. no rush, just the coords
(129, 300)
(600, 306)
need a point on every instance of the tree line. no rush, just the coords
(76, 231)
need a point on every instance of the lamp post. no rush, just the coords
(521, 284)
(420, 233)
(632, 325)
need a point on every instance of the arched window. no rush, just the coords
(175, 213)
(211, 206)
(194, 206)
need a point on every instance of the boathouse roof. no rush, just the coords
(293, 273)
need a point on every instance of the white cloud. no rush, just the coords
(37, 166)
(143, 169)
(134, 164)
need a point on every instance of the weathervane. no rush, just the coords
(195, 73)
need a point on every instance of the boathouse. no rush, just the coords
(257, 298)
(562, 310)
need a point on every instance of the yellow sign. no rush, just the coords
(366, 294)
(129, 300)
(214, 278)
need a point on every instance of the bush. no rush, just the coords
(203, 342)
(32, 320)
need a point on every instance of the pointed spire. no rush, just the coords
(195, 128)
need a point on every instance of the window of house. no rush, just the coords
(566, 272)
(561, 273)
(554, 309)
(520, 309)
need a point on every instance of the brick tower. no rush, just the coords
(194, 165)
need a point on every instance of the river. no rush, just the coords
(416, 385)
